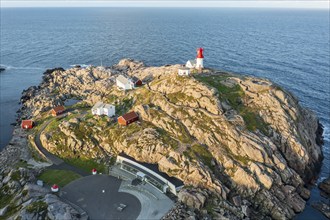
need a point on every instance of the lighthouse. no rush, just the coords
(199, 58)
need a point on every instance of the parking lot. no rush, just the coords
(99, 196)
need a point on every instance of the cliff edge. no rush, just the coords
(243, 146)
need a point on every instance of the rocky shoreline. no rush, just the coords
(247, 172)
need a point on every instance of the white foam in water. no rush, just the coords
(326, 133)
(21, 68)
(82, 65)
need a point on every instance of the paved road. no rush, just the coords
(58, 163)
(99, 196)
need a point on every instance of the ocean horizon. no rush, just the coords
(287, 46)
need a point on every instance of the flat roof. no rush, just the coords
(154, 167)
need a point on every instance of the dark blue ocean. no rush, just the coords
(290, 47)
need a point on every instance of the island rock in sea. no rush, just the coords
(243, 146)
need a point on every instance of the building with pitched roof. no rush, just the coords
(57, 110)
(128, 118)
(124, 83)
(104, 109)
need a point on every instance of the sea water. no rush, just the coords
(289, 47)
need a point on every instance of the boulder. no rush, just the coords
(325, 186)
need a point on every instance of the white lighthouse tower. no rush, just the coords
(199, 58)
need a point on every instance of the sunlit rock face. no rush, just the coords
(234, 136)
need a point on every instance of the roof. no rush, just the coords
(58, 108)
(129, 116)
(97, 105)
(184, 68)
(135, 79)
(154, 167)
(108, 106)
(192, 61)
(27, 122)
(123, 79)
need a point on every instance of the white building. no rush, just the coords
(103, 109)
(150, 173)
(124, 83)
(184, 71)
(198, 62)
(191, 64)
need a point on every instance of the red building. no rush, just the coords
(128, 118)
(27, 124)
(57, 110)
(136, 81)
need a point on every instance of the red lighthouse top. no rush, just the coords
(200, 52)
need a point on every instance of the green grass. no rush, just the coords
(53, 125)
(201, 152)
(36, 207)
(179, 96)
(166, 138)
(5, 197)
(235, 96)
(16, 175)
(11, 210)
(86, 164)
(22, 163)
(124, 106)
(59, 177)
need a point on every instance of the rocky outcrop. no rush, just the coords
(325, 186)
(241, 138)
(20, 197)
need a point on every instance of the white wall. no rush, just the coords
(172, 187)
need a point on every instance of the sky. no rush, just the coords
(323, 4)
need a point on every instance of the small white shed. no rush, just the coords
(103, 109)
(124, 83)
(191, 64)
(184, 71)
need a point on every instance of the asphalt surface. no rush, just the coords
(98, 195)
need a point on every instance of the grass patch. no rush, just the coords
(11, 210)
(199, 151)
(60, 177)
(36, 207)
(16, 175)
(124, 106)
(5, 197)
(53, 125)
(234, 96)
(22, 163)
(179, 96)
(166, 138)
(86, 164)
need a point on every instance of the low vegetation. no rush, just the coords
(86, 164)
(36, 207)
(197, 151)
(59, 177)
(234, 96)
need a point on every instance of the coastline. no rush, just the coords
(29, 93)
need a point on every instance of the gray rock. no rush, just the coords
(3, 210)
(322, 207)
(325, 186)
(237, 200)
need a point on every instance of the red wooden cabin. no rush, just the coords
(128, 118)
(57, 110)
(27, 124)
